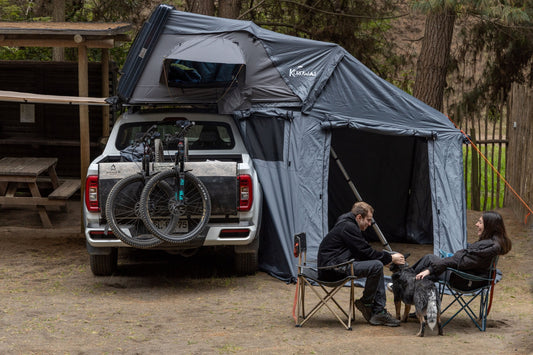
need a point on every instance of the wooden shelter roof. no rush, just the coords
(63, 34)
(78, 35)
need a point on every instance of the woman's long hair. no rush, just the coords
(493, 227)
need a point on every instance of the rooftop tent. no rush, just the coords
(296, 100)
(164, 36)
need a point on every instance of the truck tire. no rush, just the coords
(165, 217)
(122, 213)
(246, 263)
(104, 265)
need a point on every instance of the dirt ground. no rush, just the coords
(50, 303)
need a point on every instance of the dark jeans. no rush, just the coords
(374, 292)
(424, 264)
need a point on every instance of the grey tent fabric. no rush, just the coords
(297, 99)
(218, 50)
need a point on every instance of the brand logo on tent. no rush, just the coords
(300, 71)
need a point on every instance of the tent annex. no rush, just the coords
(296, 101)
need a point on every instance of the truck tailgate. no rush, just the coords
(220, 179)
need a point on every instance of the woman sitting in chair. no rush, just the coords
(476, 258)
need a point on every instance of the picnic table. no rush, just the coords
(18, 173)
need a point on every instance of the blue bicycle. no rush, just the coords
(181, 215)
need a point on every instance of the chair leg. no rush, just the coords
(351, 310)
(483, 309)
(302, 285)
(323, 301)
(478, 320)
(301, 301)
(300, 314)
(333, 299)
(298, 305)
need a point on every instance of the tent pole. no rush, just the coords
(358, 197)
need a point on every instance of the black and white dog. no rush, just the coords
(420, 293)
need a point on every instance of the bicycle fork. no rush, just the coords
(179, 195)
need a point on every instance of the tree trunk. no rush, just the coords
(58, 15)
(229, 8)
(204, 7)
(432, 63)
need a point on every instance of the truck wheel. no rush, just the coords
(166, 217)
(246, 263)
(104, 265)
(122, 213)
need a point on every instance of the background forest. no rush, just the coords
(460, 57)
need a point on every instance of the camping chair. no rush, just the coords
(324, 290)
(462, 285)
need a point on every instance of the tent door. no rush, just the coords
(391, 173)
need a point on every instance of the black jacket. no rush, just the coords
(345, 241)
(475, 259)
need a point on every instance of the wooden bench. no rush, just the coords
(67, 188)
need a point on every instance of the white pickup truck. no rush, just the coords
(236, 197)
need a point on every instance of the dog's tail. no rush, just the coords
(432, 309)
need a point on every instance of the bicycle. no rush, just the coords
(183, 215)
(122, 205)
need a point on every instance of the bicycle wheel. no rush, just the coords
(165, 217)
(122, 212)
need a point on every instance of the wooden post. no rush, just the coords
(105, 91)
(519, 158)
(83, 90)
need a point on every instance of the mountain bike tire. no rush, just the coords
(122, 213)
(180, 224)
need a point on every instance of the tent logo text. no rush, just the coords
(300, 71)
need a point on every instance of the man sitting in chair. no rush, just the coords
(344, 242)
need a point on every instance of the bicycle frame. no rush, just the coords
(175, 205)
(179, 195)
(147, 139)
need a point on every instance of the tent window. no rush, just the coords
(265, 138)
(188, 73)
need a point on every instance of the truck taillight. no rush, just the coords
(245, 192)
(91, 193)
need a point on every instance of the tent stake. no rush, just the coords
(358, 197)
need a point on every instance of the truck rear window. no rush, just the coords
(202, 136)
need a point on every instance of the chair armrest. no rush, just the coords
(468, 276)
(315, 267)
(336, 266)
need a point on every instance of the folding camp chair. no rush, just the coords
(465, 288)
(324, 290)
